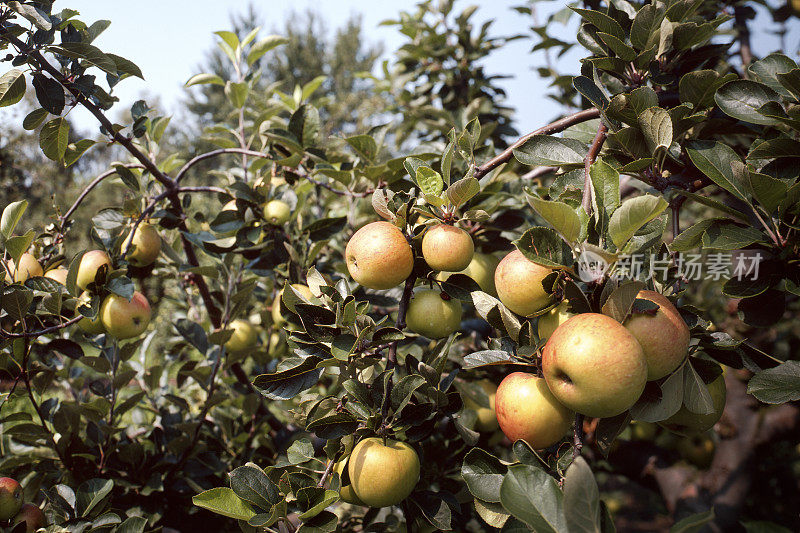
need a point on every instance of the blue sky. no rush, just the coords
(168, 40)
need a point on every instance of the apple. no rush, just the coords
(551, 320)
(58, 274)
(527, 410)
(519, 284)
(664, 336)
(697, 450)
(91, 262)
(480, 269)
(124, 319)
(145, 247)
(383, 474)
(687, 423)
(447, 248)
(32, 516)
(487, 420)
(643, 430)
(346, 492)
(244, 336)
(277, 212)
(378, 256)
(10, 498)
(277, 317)
(594, 366)
(88, 325)
(433, 314)
(29, 267)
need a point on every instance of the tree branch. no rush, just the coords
(591, 157)
(208, 155)
(745, 52)
(94, 183)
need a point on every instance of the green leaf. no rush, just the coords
(54, 138)
(742, 99)
(696, 396)
(87, 52)
(483, 473)
(11, 216)
(76, 150)
(562, 217)
(485, 358)
(16, 300)
(463, 190)
(305, 125)
(34, 119)
(791, 81)
(777, 385)
(645, 27)
(660, 401)
(700, 86)
(602, 22)
(690, 238)
(534, 497)
(289, 381)
(263, 46)
(91, 493)
(224, 501)
(714, 204)
(605, 182)
(632, 215)
(718, 161)
(16, 246)
(618, 46)
(364, 146)
(768, 68)
(251, 484)
(12, 87)
(230, 38)
(768, 191)
(544, 150)
(693, 523)
(126, 67)
(724, 235)
(619, 303)
(656, 125)
(205, 79)
(429, 181)
(237, 93)
(32, 14)
(544, 246)
(581, 498)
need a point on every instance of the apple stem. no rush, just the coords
(577, 442)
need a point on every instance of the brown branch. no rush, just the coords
(745, 52)
(340, 192)
(400, 323)
(554, 127)
(94, 183)
(328, 469)
(39, 333)
(192, 162)
(538, 172)
(588, 161)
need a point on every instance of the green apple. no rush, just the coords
(125, 319)
(481, 270)
(643, 430)
(277, 317)
(433, 314)
(277, 212)
(687, 423)
(91, 262)
(10, 498)
(383, 474)
(594, 366)
(447, 248)
(697, 450)
(519, 284)
(58, 274)
(378, 256)
(486, 418)
(664, 336)
(145, 247)
(244, 336)
(527, 410)
(29, 267)
(554, 318)
(346, 492)
(32, 516)
(88, 325)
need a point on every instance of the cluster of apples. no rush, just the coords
(13, 510)
(118, 317)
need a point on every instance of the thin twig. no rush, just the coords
(588, 161)
(39, 333)
(745, 52)
(94, 183)
(328, 470)
(192, 162)
(577, 437)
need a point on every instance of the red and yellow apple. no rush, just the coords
(447, 248)
(124, 319)
(29, 267)
(10, 498)
(378, 256)
(145, 245)
(58, 274)
(33, 517)
(552, 319)
(383, 474)
(594, 366)
(91, 262)
(519, 284)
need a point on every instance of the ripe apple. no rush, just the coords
(58, 274)
(29, 267)
(664, 337)
(32, 516)
(697, 450)
(527, 410)
(124, 319)
(10, 498)
(378, 256)
(383, 475)
(244, 336)
(277, 212)
(687, 423)
(594, 366)
(481, 270)
(447, 248)
(433, 314)
(91, 262)
(487, 420)
(554, 318)
(519, 284)
(277, 317)
(87, 325)
(146, 245)
(346, 492)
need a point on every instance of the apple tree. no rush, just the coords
(431, 323)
